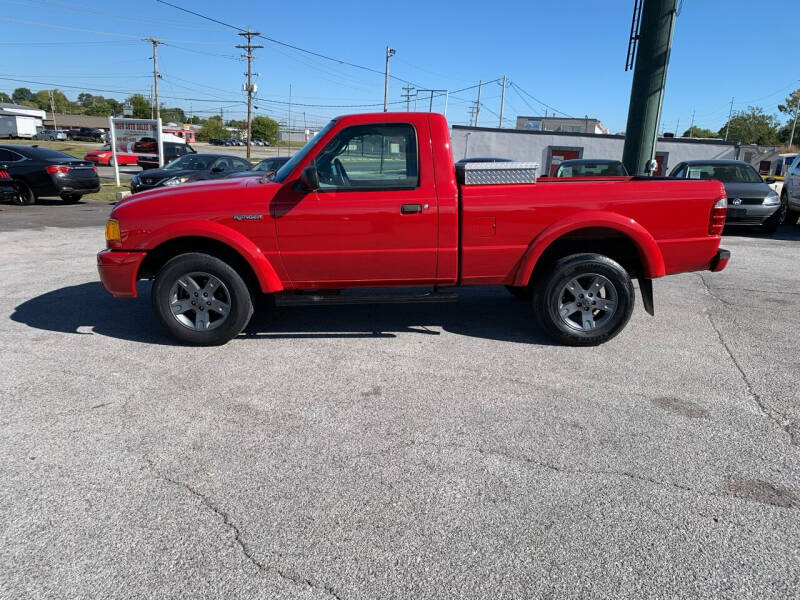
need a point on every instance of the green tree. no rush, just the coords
(100, 108)
(752, 126)
(5, 97)
(791, 104)
(173, 115)
(141, 106)
(212, 128)
(21, 95)
(60, 101)
(700, 132)
(265, 128)
(195, 120)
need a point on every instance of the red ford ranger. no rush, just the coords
(374, 201)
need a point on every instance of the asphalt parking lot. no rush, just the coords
(420, 451)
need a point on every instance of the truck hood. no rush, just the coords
(207, 190)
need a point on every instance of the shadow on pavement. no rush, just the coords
(488, 313)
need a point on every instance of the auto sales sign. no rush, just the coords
(135, 136)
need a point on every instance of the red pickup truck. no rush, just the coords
(375, 201)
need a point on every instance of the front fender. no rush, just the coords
(649, 252)
(267, 277)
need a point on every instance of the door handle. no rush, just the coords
(408, 209)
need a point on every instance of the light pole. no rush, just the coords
(389, 53)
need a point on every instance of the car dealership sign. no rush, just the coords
(135, 136)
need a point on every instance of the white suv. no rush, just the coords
(791, 191)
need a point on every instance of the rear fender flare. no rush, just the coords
(268, 279)
(649, 252)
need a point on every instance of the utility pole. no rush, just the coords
(728, 124)
(53, 108)
(289, 117)
(250, 87)
(678, 127)
(791, 137)
(653, 44)
(152, 107)
(502, 101)
(389, 53)
(407, 89)
(478, 103)
(156, 75)
(472, 114)
(691, 125)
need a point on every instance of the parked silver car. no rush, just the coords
(51, 134)
(751, 202)
(790, 195)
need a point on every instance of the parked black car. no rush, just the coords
(264, 167)
(187, 168)
(87, 134)
(751, 202)
(41, 172)
(172, 150)
(8, 191)
(591, 167)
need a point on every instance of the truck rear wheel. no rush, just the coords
(201, 300)
(584, 300)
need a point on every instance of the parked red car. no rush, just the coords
(104, 156)
(376, 201)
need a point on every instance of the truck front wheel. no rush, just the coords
(201, 300)
(584, 300)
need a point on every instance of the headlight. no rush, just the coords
(112, 231)
(772, 199)
(176, 180)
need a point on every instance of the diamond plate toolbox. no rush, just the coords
(492, 173)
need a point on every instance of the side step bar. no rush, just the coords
(329, 300)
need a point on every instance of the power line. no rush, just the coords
(285, 44)
(555, 110)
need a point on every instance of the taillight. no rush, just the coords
(716, 221)
(94, 168)
(56, 169)
(4, 174)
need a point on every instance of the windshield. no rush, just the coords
(191, 161)
(730, 173)
(286, 169)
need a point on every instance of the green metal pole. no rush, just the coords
(647, 89)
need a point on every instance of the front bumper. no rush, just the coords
(755, 214)
(720, 260)
(118, 270)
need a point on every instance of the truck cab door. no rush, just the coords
(373, 220)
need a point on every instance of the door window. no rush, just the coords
(222, 164)
(370, 157)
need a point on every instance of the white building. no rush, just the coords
(549, 148)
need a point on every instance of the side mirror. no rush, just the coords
(309, 179)
(770, 180)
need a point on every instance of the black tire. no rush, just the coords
(25, 195)
(791, 214)
(522, 292)
(71, 198)
(550, 292)
(772, 223)
(233, 292)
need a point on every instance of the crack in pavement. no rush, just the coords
(237, 536)
(572, 471)
(783, 422)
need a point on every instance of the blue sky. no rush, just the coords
(568, 55)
